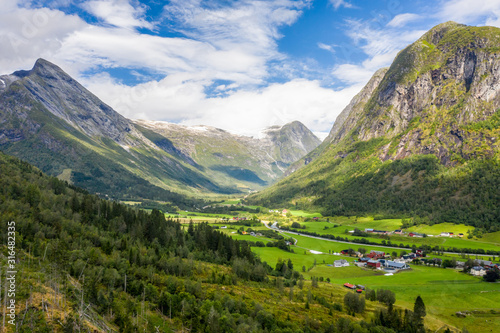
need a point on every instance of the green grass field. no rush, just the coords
(302, 213)
(493, 238)
(341, 226)
(436, 229)
(445, 291)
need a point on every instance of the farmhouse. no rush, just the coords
(445, 234)
(478, 271)
(350, 286)
(373, 263)
(341, 263)
(376, 254)
(415, 234)
(396, 265)
(398, 232)
(485, 263)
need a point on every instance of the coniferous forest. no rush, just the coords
(89, 264)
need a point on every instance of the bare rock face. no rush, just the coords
(436, 87)
(67, 99)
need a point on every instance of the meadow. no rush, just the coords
(444, 291)
(342, 226)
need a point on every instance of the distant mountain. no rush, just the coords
(420, 139)
(50, 120)
(248, 163)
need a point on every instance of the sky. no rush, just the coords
(239, 65)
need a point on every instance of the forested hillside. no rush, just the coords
(89, 264)
(420, 140)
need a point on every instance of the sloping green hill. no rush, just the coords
(424, 143)
(87, 264)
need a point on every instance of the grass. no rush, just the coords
(343, 225)
(302, 213)
(444, 291)
(436, 229)
(493, 237)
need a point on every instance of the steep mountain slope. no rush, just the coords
(226, 157)
(424, 142)
(50, 120)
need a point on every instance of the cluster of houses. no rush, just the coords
(411, 234)
(359, 288)
(255, 234)
(480, 267)
(277, 211)
(235, 218)
(377, 260)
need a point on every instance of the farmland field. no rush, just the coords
(444, 291)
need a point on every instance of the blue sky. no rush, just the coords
(237, 65)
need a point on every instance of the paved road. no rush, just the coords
(337, 241)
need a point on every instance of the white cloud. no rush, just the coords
(353, 74)
(402, 19)
(180, 98)
(466, 11)
(326, 47)
(119, 13)
(27, 34)
(379, 45)
(341, 3)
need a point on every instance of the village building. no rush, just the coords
(396, 265)
(341, 263)
(484, 263)
(376, 254)
(478, 271)
(373, 263)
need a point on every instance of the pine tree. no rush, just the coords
(419, 308)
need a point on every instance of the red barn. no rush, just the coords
(373, 263)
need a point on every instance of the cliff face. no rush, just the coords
(446, 80)
(420, 138)
(68, 100)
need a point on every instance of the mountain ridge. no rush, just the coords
(418, 142)
(52, 121)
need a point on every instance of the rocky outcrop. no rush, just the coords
(436, 87)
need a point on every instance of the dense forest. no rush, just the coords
(418, 186)
(88, 264)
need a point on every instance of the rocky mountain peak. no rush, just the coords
(436, 34)
(67, 99)
(444, 81)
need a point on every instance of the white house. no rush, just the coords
(341, 263)
(478, 271)
(445, 234)
(396, 265)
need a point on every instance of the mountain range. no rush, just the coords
(421, 138)
(50, 120)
